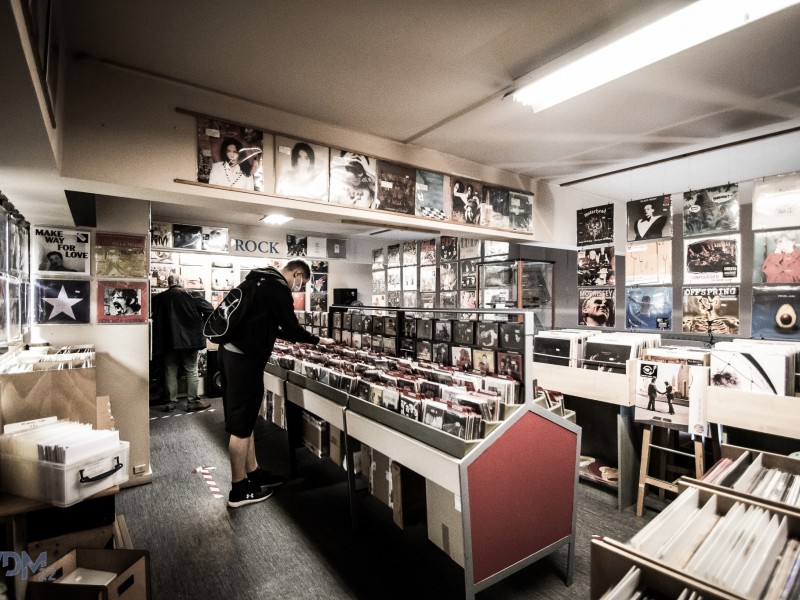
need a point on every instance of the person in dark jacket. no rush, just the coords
(178, 319)
(242, 359)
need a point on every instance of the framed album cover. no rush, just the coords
(448, 248)
(466, 200)
(776, 200)
(187, 237)
(711, 309)
(648, 308)
(512, 336)
(441, 354)
(396, 184)
(648, 263)
(301, 169)
(61, 301)
(442, 330)
(121, 302)
(520, 211)
(487, 333)
(650, 218)
(430, 195)
(776, 256)
(494, 210)
(427, 252)
(56, 250)
(464, 332)
(461, 358)
(484, 360)
(775, 311)
(468, 299)
(596, 307)
(714, 260)
(353, 179)
(424, 329)
(118, 255)
(424, 351)
(596, 266)
(713, 210)
(409, 328)
(393, 256)
(595, 225)
(230, 155)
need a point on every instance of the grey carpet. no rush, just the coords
(298, 544)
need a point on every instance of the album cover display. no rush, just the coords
(299, 300)
(390, 346)
(14, 302)
(494, 210)
(648, 308)
(466, 200)
(553, 351)
(483, 360)
(606, 356)
(122, 302)
(448, 276)
(393, 256)
(775, 311)
(776, 256)
(441, 354)
(55, 250)
(427, 300)
(648, 263)
(301, 169)
(230, 155)
(378, 282)
(596, 266)
(596, 307)
(468, 273)
(469, 248)
(427, 279)
(512, 336)
(118, 255)
(650, 218)
(713, 210)
(670, 395)
(410, 253)
(712, 260)
(390, 325)
(319, 301)
(464, 332)
(442, 330)
(187, 237)
(424, 351)
(776, 200)
(396, 188)
(353, 179)
(763, 371)
(222, 279)
(378, 300)
(495, 248)
(319, 282)
(424, 329)
(595, 225)
(410, 299)
(711, 310)
(410, 278)
(486, 333)
(510, 365)
(378, 260)
(520, 211)
(461, 358)
(296, 245)
(468, 299)
(430, 195)
(393, 281)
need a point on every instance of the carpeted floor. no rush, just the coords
(299, 543)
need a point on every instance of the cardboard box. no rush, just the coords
(380, 477)
(315, 435)
(132, 580)
(336, 445)
(445, 528)
(408, 496)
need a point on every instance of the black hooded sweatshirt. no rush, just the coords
(270, 316)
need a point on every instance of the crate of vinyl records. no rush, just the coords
(60, 462)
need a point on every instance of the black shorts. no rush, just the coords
(242, 390)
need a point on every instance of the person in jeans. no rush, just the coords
(178, 318)
(242, 357)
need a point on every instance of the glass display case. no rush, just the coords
(521, 284)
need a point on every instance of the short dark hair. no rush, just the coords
(56, 252)
(294, 265)
(130, 296)
(296, 152)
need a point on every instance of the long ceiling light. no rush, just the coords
(599, 62)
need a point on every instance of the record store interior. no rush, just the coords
(533, 269)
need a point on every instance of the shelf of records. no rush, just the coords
(710, 543)
(239, 157)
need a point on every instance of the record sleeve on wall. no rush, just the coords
(713, 210)
(118, 255)
(187, 237)
(469, 248)
(410, 253)
(393, 256)
(468, 299)
(776, 256)
(353, 179)
(430, 195)
(427, 279)
(494, 210)
(378, 282)
(14, 312)
(319, 301)
(316, 247)
(222, 278)
(596, 307)
(378, 259)
(466, 197)
(396, 188)
(230, 155)
(469, 273)
(319, 282)
(410, 279)
(5, 328)
(776, 200)
(163, 257)
(648, 308)
(301, 169)
(161, 235)
(121, 302)
(427, 252)
(319, 266)
(336, 248)
(650, 218)
(596, 266)
(448, 276)
(595, 225)
(775, 312)
(648, 263)
(393, 281)
(711, 309)
(215, 239)
(60, 301)
(520, 211)
(296, 245)
(712, 260)
(59, 250)
(495, 248)
(448, 248)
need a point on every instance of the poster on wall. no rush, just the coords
(648, 263)
(712, 260)
(396, 188)
(118, 255)
(409, 253)
(61, 301)
(776, 200)
(713, 210)
(596, 307)
(650, 218)
(776, 256)
(430, 195)
(427, 252)
(494, 210)
(215, 239)
(187, 237)
(301, 169)
(393, 255)
(596, 266)
(520, 211)
(230, 155)
(353, 179)
(466, 200)
(296, 245)
(337, 248)
(161, 235)
(448, 248)
(711, 310)
(57, 250)
(648, 308)
(595, 225)
(469, 248)
(316, 247)
(775, 312)
(121, 302)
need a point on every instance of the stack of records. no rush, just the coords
(682, 355)
(611, 351)
(755, 366)
(563, 347)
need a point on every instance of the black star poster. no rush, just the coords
(60, 301)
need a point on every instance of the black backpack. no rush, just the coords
(229, 315)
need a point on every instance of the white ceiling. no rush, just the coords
(434, 74)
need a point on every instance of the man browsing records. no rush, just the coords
(242, 358)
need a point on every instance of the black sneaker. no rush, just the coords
(265, 479)
(192, 406)
(247, 494)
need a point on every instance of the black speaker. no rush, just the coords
(345, 296)
(213, 383)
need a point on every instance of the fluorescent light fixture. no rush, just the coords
(595, 64)
(275, 219)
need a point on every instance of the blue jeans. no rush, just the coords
(187, 359)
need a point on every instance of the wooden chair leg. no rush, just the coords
(646, 436)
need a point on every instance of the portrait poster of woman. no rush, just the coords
(301, 169)
(353, 179)
(118, 255)
(230, 155)
(396, 188)
(650, 218)
(121, 301)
